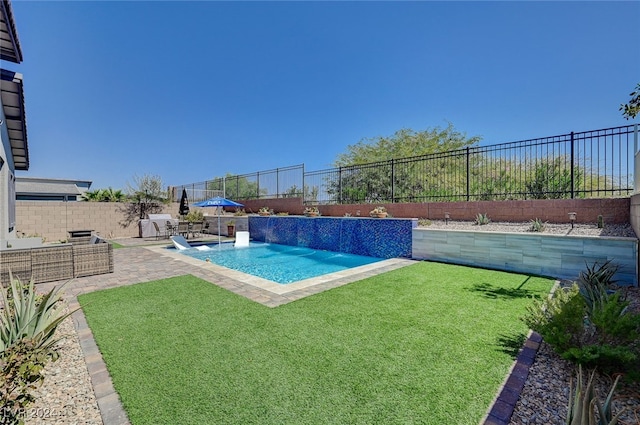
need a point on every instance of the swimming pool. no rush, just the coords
(280, 263)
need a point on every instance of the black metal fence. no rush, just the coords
(277, 183)
(597, 163)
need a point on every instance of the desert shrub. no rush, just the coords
(27, 343)
(482, 219)
(558, 318)
(590, 323)
(537, 225)
(195, 215)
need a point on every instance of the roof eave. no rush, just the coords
(15, 117)
(14, 52)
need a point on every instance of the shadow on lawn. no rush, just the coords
(491, 291)
(511, 344)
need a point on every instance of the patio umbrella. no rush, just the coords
(217, 201)
(184, 203)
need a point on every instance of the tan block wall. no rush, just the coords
(52, 219)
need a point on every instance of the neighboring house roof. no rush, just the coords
(36, 186)
(12, 96)
(9, 44)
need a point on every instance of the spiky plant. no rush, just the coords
(29, 316)
(537, 225)
(595, 281)
(583, 403)
(28, 323)
(482, 219)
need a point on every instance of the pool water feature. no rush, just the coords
(372, 237)
(282, 264)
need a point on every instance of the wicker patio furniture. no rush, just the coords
(56, 262)
(52, 263)
(89, 260)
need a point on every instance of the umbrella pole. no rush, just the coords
(218, 227)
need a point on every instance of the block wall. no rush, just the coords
(52, 220)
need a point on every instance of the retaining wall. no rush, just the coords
(540, 254)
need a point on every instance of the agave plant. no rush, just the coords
(595, 281)
(537, 225)
(583, 404)
(482, 219)
(28, 323)
(28, 316)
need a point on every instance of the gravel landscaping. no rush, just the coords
(614, 230)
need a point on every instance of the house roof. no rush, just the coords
(9, 44)
(12, 95)
(39, 186)
(31, 188)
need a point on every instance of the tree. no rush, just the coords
(104, 195)
(146, 196)
(405, 143)
(384, 169)
(631, 109)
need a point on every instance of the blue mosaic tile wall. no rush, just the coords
(374, 237)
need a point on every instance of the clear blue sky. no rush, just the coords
(193, 90)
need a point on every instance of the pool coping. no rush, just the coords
(287, 288)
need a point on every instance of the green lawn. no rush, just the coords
(116, 245)
(428, 344)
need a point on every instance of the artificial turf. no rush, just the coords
(425, 344)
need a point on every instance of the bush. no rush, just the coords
(537, 225)
(28, 323)
(195, 215)
(558, 318)
(482, 219)
(590, 323)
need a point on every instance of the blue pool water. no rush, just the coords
(280, 263)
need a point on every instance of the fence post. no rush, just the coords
(572, 171)
(340, 185)
(468, 174)
(258, 185)
(277, 182)
(303, 184)
(636, 161)
(393, 181)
